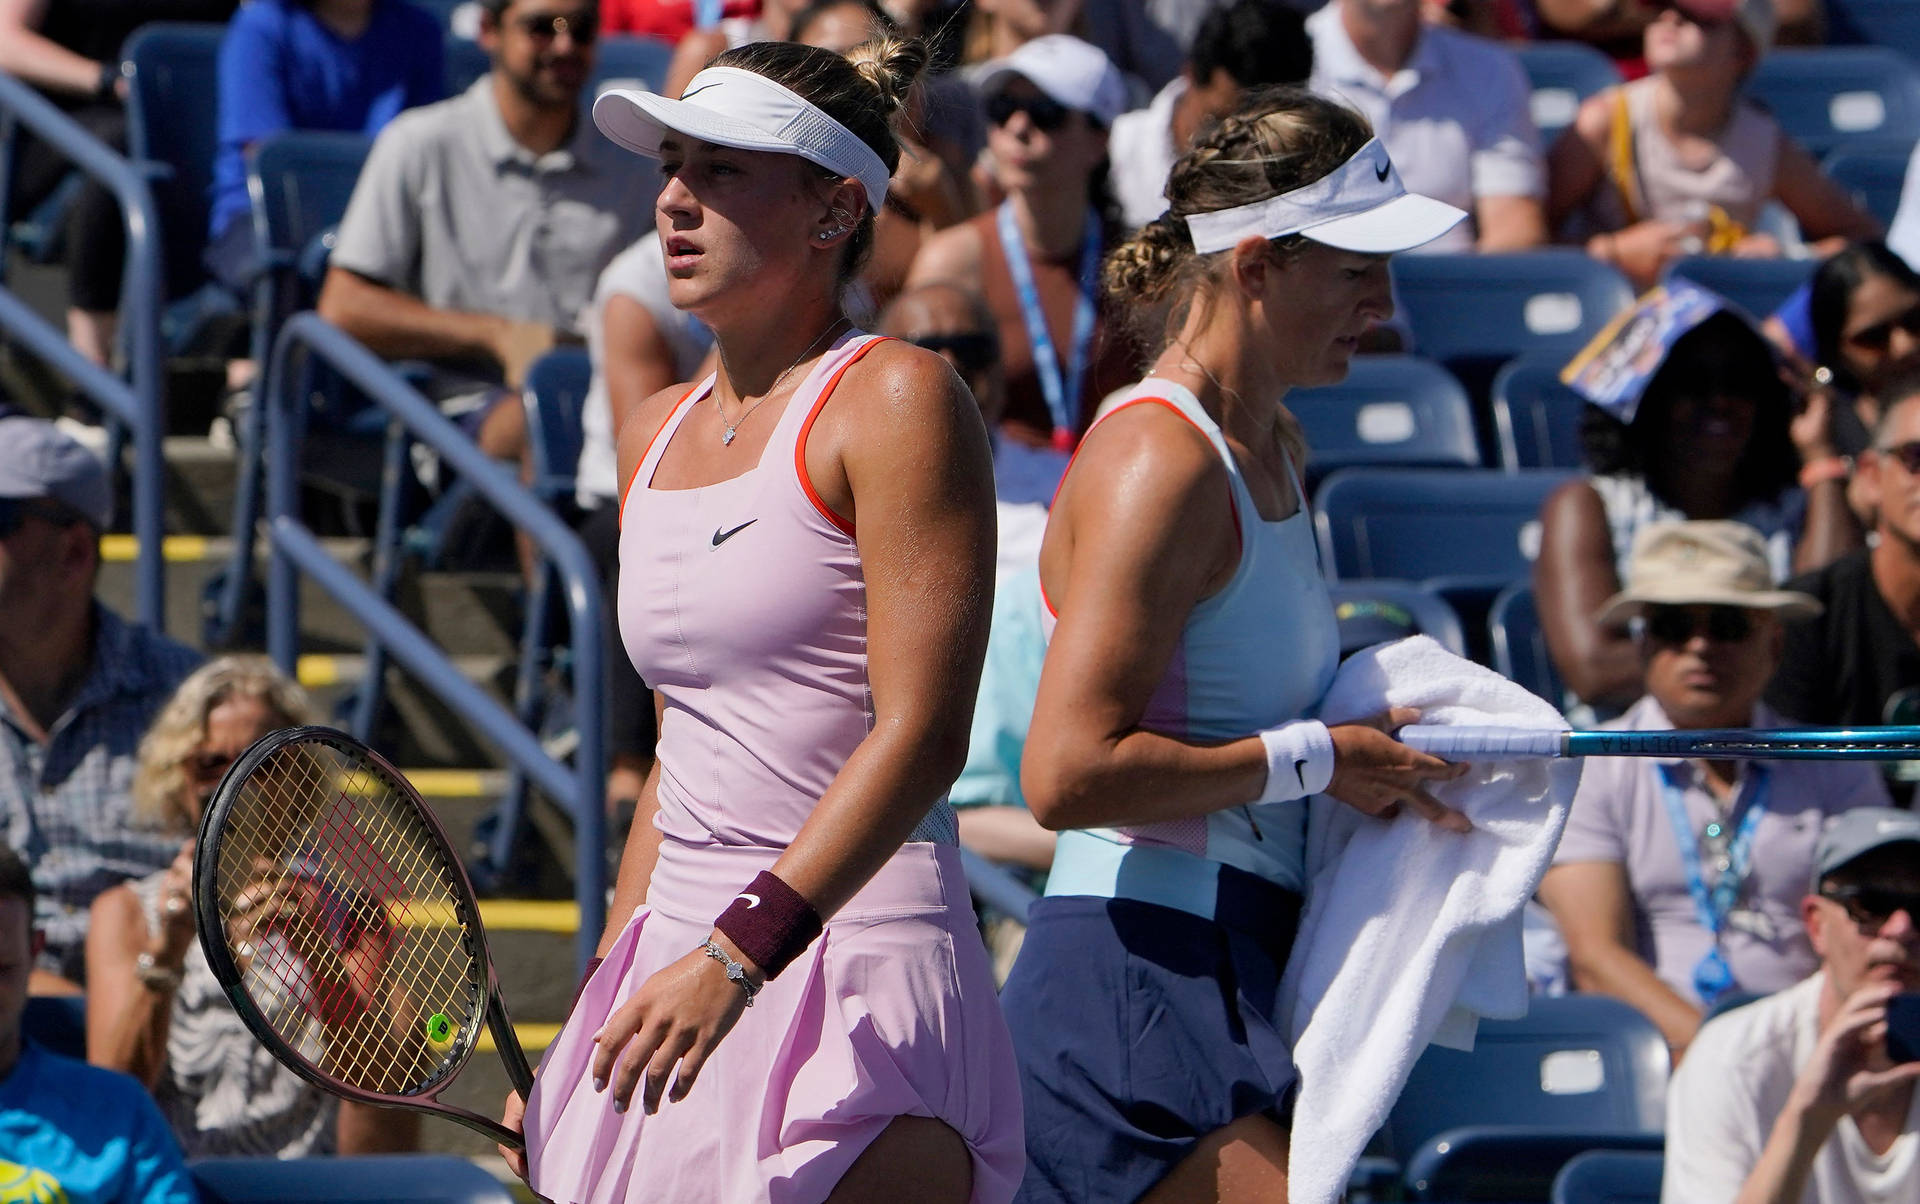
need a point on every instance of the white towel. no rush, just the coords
(1411, 933)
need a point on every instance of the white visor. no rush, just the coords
(731, 107)
(1361, 206)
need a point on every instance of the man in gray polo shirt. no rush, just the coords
(480, 224)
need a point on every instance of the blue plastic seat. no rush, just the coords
(1755, 285)
(57, 1023)
(554, 394)
(627, 61)
(1372, 611)
(463, 63)
(1891, 23)
(1536, 418)
(1520, 647)
(1874, 173)
(1562, 74)
(1417, 524)
(1390, 410)
(1827, 96)
(386, 1179)
(1475, 312)
(1610, 1177)
(1580, 1063)
(1509, 1164)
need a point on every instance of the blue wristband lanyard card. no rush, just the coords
(1062, 394)
(1713, 977)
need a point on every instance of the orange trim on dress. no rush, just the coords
(620, 518)
(1239, 543)
(806, 428)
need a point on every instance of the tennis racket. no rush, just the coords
(341, 925)
(1773, 744)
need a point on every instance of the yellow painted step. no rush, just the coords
(533, 1038)
(497, 915)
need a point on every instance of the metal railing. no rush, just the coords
(138, 404)
(579, 790)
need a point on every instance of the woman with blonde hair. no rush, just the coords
(1189, 636)
(154, 1009)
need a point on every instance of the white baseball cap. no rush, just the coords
(1359, 206)
(728, 106)
(1077, 74)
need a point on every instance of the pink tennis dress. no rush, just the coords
(743, 603)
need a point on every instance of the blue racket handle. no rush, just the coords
(1484, 743)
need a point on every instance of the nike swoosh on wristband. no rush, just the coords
(720, 537)
(753, 900)
(1300, 771)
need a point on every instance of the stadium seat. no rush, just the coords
(1509, 1164)
(1562, 74)
(1520, 647)
(1390, 410)
(1536, 418)
(1874, 173)
(1730, 1001)
(1827, 96)
(464, 63)
(57, 1023)
(1891, 23)
(386, 1179)
(1610, 1177)
(1370, 612)
(555, 392)
(1757, 286)
(1475, 312)
(1414, 524)
(1580, 1063)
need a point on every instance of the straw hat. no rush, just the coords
(1704, 563)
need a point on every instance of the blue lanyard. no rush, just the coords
(707, 13)
(1062, 397)
(1716, 904)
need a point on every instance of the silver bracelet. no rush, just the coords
(736, 971)
(153, 975)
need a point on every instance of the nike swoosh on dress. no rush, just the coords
(720, 537)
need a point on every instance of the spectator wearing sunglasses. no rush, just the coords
(1681, 163)
(1858, 662)
(1679, 881)
(1809, 1095)
(78, 686)
(479, 225)
(1036, 257)
(1451, 109)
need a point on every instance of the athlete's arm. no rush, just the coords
(1141, 533)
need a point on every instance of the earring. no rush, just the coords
(832, 233)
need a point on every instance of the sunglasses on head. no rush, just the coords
(545, 27)
(973, 350)
(1906, 454)
(1661, 6)
(208, 767)
(1046, 113)
(1872, 906)
(15, 511)
(1677, 624)
(1879, 336)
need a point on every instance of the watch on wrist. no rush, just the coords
(103, 87)
(736, 972)
(153, 975)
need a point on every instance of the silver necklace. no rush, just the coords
(726, 436)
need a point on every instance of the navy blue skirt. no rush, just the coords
(1141, 1029)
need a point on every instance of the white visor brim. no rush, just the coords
(1406, 222)
(1359, 206)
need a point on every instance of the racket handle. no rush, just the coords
(1483, 743)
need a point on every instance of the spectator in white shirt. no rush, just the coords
(1246, 44)
(1451, 109)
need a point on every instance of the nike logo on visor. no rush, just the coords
(720, 537)
(702, 88)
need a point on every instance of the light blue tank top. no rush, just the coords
(1259, 653)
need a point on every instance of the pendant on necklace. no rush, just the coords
(726, 437)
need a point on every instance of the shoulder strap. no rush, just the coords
(662, 435)
(1622, 168)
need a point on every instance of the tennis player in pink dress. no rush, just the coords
(793, 1003)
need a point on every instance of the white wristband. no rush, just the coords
(1299, 760)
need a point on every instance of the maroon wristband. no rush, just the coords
(592, 965)
(770, 923)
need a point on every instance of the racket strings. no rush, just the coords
(369, 971)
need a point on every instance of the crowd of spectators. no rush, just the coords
(492, 226)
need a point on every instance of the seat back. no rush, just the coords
(173, 126)
(1519, 647)
(1755, 285)
(1826, 96)
(1610, 1177)
(1536, 417)
(1891, 23)
(1414, 524)
(1370, 612)
(621, 60)
(1390, 410)
(388, 1178)
(301, 182)
(555, 393)
(57, 1023)
(464, 62)
(1576, 1062)
(1562, 75)
(1508, 1164)
(1494, 307)
(1873, 174)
